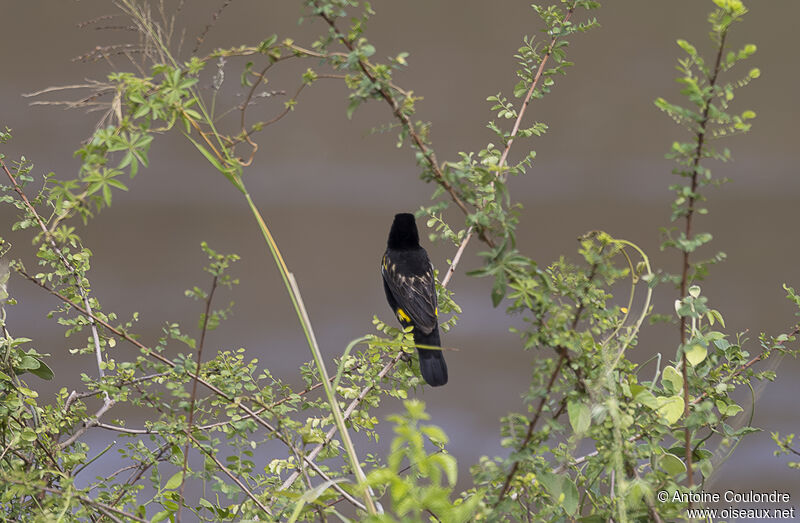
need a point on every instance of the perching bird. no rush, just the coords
(411, 291)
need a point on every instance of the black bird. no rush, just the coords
(411, 291)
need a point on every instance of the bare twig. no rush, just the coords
(202, 36)
(126, 430)
(452, 269)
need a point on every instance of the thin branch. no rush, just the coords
(141, 469)
(124, 430)
(701, 134)
(346, 414)
(87, 424)
(84, 295)
(250, 413)
(531, 425)
(397, 109)
(107, 510)
(509, 143)
(202, 36)
(227, 472)
(271, 406)
(286, 110)
(75, 395)
(452, 269)
(563, 357)
(203, 332)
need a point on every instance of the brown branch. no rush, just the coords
(84, 295)
(701, 133)
(563, 357)
(140, 470)
(531, 425)
(346, 414)
(203, 332)
(250, 413)
(512, 136)
(202, 36)
(87, 424)
(286, 110)
(102, 507)
(427, 153)
(75, 395)
(231, 475)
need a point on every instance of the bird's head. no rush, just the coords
(404, 233)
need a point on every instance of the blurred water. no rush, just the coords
(327, 186)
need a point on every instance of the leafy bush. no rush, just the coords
(648, 433)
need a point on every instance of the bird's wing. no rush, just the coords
(415, 295)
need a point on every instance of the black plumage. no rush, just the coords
(410, 287)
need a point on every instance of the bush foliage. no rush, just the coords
(653, 426)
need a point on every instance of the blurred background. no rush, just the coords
(328, 188)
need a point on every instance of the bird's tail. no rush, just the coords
(431, 362)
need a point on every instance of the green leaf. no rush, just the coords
(448, 464)
(562, 489)
(672, 380)
(670, 409)
(706, 467)
(695, 354)
(175, 481)
(43, 371)
(435, 434)
(580, 416)
(686, 46)
(646, 398)
(570, 493)
(28, 363)
(213, 160)
(672, 464)
(498, 289)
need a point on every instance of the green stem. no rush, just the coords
(302, 315)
